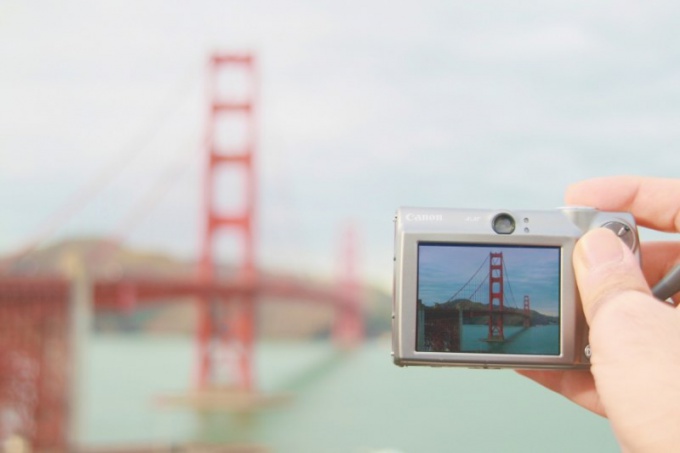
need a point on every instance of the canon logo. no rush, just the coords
(424, 217)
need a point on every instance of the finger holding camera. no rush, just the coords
(634, 339)
(654, 202)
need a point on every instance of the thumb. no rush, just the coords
(605, 267)
(635, 344)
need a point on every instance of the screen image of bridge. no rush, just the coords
(488, 299)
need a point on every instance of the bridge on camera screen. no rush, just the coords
(486, 294)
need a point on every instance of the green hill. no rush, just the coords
(537, 318)
(107, 261)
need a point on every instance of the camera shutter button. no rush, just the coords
(624, 232)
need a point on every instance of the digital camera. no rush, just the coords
(493, 288)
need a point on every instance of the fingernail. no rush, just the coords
(600, 246)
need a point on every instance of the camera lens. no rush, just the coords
(503, 224)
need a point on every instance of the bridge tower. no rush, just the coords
(496, 297)
(226, 331)
(527, 312)
(348, 324)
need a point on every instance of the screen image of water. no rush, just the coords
(543, 340)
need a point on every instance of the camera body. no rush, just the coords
(493, 288)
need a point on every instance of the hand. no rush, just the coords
(634, 378)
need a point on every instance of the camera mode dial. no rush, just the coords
(624, 232)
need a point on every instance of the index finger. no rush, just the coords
(655, 202)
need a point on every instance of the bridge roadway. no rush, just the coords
(152, 291)
(128, 293)
(479, 313)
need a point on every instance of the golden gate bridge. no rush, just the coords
(39, 314)
(486, 294)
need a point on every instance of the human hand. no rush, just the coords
(634, 378)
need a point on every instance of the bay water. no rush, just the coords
(355, 401)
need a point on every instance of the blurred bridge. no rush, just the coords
(40, 317)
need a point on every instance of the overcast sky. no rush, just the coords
(365, 106)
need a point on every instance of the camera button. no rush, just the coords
(587, 351)
(624, 232)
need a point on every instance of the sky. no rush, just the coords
(527, 271)
(365, 106)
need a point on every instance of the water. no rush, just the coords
(355, 402)
(544, 340)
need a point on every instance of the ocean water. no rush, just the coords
(544, 340)
(342, 402)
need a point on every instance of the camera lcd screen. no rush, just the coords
(488, 299)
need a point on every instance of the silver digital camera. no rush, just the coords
(493, 288)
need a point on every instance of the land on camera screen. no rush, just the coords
(488, 299)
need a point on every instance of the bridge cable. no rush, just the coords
(512, 295)
(147, 202)
(452, 298)
(88, 191)
(484, 281)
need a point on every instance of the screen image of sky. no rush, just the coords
(443, 269)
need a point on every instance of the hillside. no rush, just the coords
(108, 261)
(537, 318)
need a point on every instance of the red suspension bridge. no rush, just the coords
(39, 315)
(486, 294)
